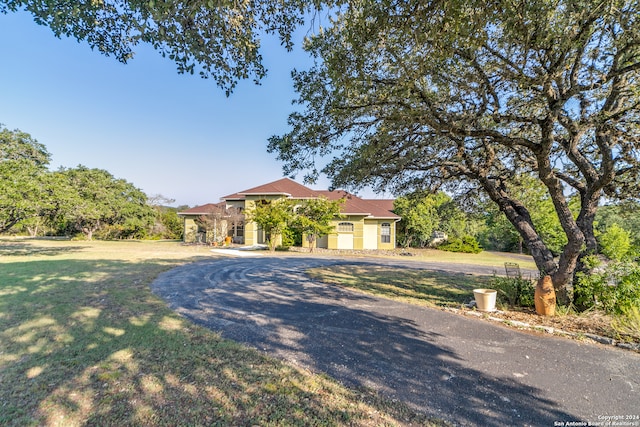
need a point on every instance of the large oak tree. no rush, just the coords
(471, 94)
(91, 199)
(25, 190)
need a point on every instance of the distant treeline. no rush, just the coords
(73, 201)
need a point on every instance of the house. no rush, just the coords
(365, 223)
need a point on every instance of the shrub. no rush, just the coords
(466, 244)
(289, 238)
(614, 288)
(615, 243)
(515, 292)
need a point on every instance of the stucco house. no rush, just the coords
(365, 223)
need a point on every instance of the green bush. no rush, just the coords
(466, 244)
(614, 289)
(289, 238)
(515, 292)
(615, 242)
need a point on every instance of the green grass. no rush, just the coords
(421, 286)
(485, 258)
(83, 341)
(403, 284)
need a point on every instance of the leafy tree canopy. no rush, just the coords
(273, 217)
(93, 198)
(18, 145)
(420, 217)
(24, 187)
(471, 94)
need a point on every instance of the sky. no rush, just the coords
(169, 134)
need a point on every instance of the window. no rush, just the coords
(385, 232)
(239, 230)
(345, 227)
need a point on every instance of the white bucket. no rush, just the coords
(485, 299)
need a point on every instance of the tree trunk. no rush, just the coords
(33, 231)
(519, 217)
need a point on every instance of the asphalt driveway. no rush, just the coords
(460, 369)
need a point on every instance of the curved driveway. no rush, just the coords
(464, 370)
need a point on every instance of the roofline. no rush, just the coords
(366, 214)
(266, 194)
(191, 213)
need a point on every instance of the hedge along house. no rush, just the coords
(365, 223)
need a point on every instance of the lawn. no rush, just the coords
(83, 341)
(441, 289)
(414, 286)
(423, 287)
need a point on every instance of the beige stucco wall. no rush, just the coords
(190, 229)
(378, 223)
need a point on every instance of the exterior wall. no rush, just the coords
(378, 227)
(358, 232)
(190, 229)
(392, 243)
(367, 234)
(238, 204)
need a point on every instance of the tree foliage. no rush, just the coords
(18, 145)
(500, 233)
(215, 39)
(615, 242)
(92, 199)
(25, 191)
(423, 214)
(167, 224)
(313, 218)
(470, 95)
(625, 215)
(273, 217)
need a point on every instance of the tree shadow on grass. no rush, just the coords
(436, 287)
(87, 343)
(24, 248)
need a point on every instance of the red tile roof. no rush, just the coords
(377, 208)
(387, 204)
(354, 205)
(284, 186)
(204, 209)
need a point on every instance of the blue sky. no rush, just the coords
(170, 134)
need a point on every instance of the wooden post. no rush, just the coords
(545, 297)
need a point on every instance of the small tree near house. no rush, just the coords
(218, 221)
(313, 218)
(273, 217)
